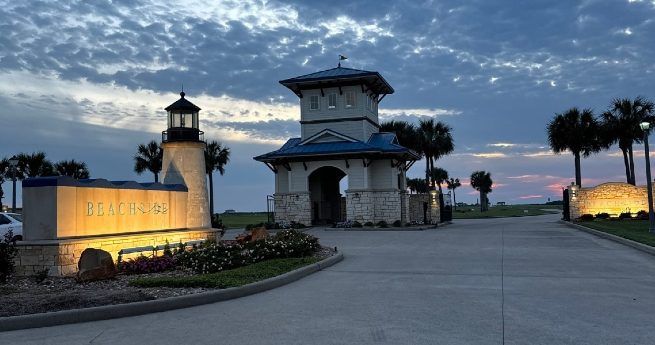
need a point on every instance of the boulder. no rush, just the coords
(95, 264)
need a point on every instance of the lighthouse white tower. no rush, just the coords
(184, 159)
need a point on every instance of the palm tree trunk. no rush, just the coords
(454, 200)
(211, 194)
(628, 176)
(632, 167)
(427, 171)
(156, 177)
(434, 182)
(481, 201)
(578, 175)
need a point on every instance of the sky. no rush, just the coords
(89, 80)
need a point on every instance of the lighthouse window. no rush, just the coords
(187, 120)
(176, 120)
(313, 103)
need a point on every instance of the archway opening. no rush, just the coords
(328, 205)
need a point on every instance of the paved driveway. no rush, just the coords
(515, 280)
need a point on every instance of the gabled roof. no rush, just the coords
(327, 133)
(339, 76)
(377, 144)
(182, 104)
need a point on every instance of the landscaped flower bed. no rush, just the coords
(174, 273)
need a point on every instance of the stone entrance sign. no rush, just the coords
(612, 197)
(61, 207)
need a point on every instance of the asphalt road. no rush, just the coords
(515, 280)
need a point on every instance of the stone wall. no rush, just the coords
(293, 207)
(373, 206)
(60, 257)
(416, 202)
(612, 197)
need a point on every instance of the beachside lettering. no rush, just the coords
(101, 209)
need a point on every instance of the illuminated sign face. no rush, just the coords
(59, 212)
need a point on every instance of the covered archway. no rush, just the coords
(326, 199)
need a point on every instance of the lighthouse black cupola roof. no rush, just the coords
(182, 121)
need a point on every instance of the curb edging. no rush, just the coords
(630, 243)
(107, 312)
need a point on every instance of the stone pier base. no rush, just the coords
(373, 205)
(60, 257)
(424, 208)
(293, 207)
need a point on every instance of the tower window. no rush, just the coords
(332, 101)
(350, 99)
(313, 103)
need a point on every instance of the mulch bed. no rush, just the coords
(24, 295)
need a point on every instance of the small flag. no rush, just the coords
(341, 57)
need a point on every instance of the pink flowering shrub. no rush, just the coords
(216, 257)
(143, 264)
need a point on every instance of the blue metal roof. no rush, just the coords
(338, 76)
(378, 143)
(330, 73)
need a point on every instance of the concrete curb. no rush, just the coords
(636, 245)
(146, 307)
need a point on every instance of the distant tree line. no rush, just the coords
(583, 134)
(37, 165)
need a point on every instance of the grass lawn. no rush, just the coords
(473, 212)
(636, 230)
(231, 278)
(241, 219)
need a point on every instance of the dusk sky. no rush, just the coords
(89, 80)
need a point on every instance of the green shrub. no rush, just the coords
(625, 215)
(586, 217)
(397, 223)
(369, 224)
(217, 222)
(8, 252)
(603, 215)
(642, 215)
(383, 224)
(356, 224)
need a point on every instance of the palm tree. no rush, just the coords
(405, 133)
(34, 165)
(148, 157)
(72, 168)
(576, 131)
(453, 183)
(620, 125)
(4, 175)
(417, 185)
(216, 157)
(482, 182)
(435, 141)
(439, 176)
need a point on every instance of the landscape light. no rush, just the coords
(644, 126)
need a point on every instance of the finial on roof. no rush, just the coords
(341, 57)
(182, 94)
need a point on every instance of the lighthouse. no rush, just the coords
(183, 160)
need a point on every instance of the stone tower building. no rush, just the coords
(340, 137)
(184, 159)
